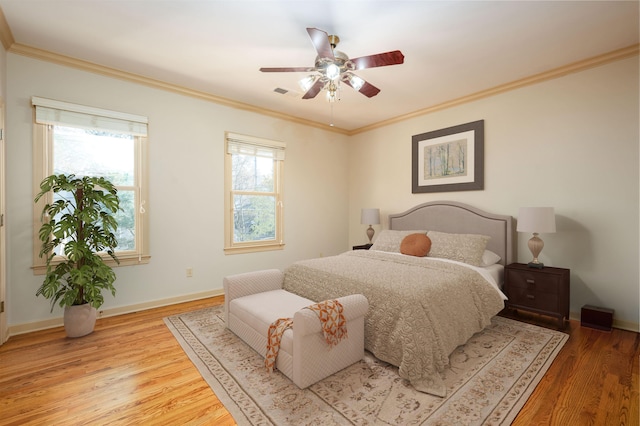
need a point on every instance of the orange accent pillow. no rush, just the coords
(415, 245)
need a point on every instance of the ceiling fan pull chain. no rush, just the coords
(331, 123)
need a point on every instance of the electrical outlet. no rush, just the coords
(189, 272)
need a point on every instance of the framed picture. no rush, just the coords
(450, 159)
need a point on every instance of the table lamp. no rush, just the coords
(538, 220)
(370, 217)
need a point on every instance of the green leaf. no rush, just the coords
(83, 222)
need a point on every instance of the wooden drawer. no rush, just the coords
(544, 291)
(534, 282)
(543, 301)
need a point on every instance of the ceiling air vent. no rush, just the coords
(287, 92)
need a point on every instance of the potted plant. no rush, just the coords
(76, 233)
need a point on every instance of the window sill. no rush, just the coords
(126, 260)
(252, 248)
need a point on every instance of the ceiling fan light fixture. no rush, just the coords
(356, 82)
(333, 72)
(307, 82)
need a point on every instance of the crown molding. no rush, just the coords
(574, 67)
(32, 52)
(44, 55)
(6, 36)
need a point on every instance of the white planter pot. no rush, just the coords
(79, 320)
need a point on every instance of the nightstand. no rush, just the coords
(543, 291)
(363, 247)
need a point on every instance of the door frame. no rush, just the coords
(3, 252)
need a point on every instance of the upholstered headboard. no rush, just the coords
(459, 218)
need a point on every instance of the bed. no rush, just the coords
(420, 308)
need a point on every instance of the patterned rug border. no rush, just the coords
(246, 410)
(221, 393)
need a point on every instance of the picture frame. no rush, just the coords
(450, 159)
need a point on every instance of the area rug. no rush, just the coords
(488, 381)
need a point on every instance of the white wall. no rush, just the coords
(3, 73)
(570, 143)
(186, 140)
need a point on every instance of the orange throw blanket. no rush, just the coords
(334, 327)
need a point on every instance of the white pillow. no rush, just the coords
(467, 248)
(489, 258)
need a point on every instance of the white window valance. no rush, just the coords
(248, 145)
(49, 111)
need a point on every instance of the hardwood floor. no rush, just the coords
(132, 371)
(592, 381)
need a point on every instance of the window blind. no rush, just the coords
(53, 112)
(247, 145)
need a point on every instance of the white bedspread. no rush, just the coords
(420, 309)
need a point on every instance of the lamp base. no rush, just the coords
(535, 265)
(370, 232)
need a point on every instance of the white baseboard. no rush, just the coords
(104, 313)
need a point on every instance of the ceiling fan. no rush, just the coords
(332, 67)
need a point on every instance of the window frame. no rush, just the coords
(231, 247)
(43, 167)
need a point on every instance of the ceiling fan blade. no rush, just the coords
(380, 60)
(289, 69)
(367, 89)
(320, 40)
(314, 90)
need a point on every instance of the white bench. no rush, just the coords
(254, 300)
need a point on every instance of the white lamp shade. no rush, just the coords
(541, 220)
(370, 217)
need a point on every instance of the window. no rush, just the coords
(253, 194)
(88, 141)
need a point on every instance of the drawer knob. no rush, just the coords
(530, 281)
(530, 296)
